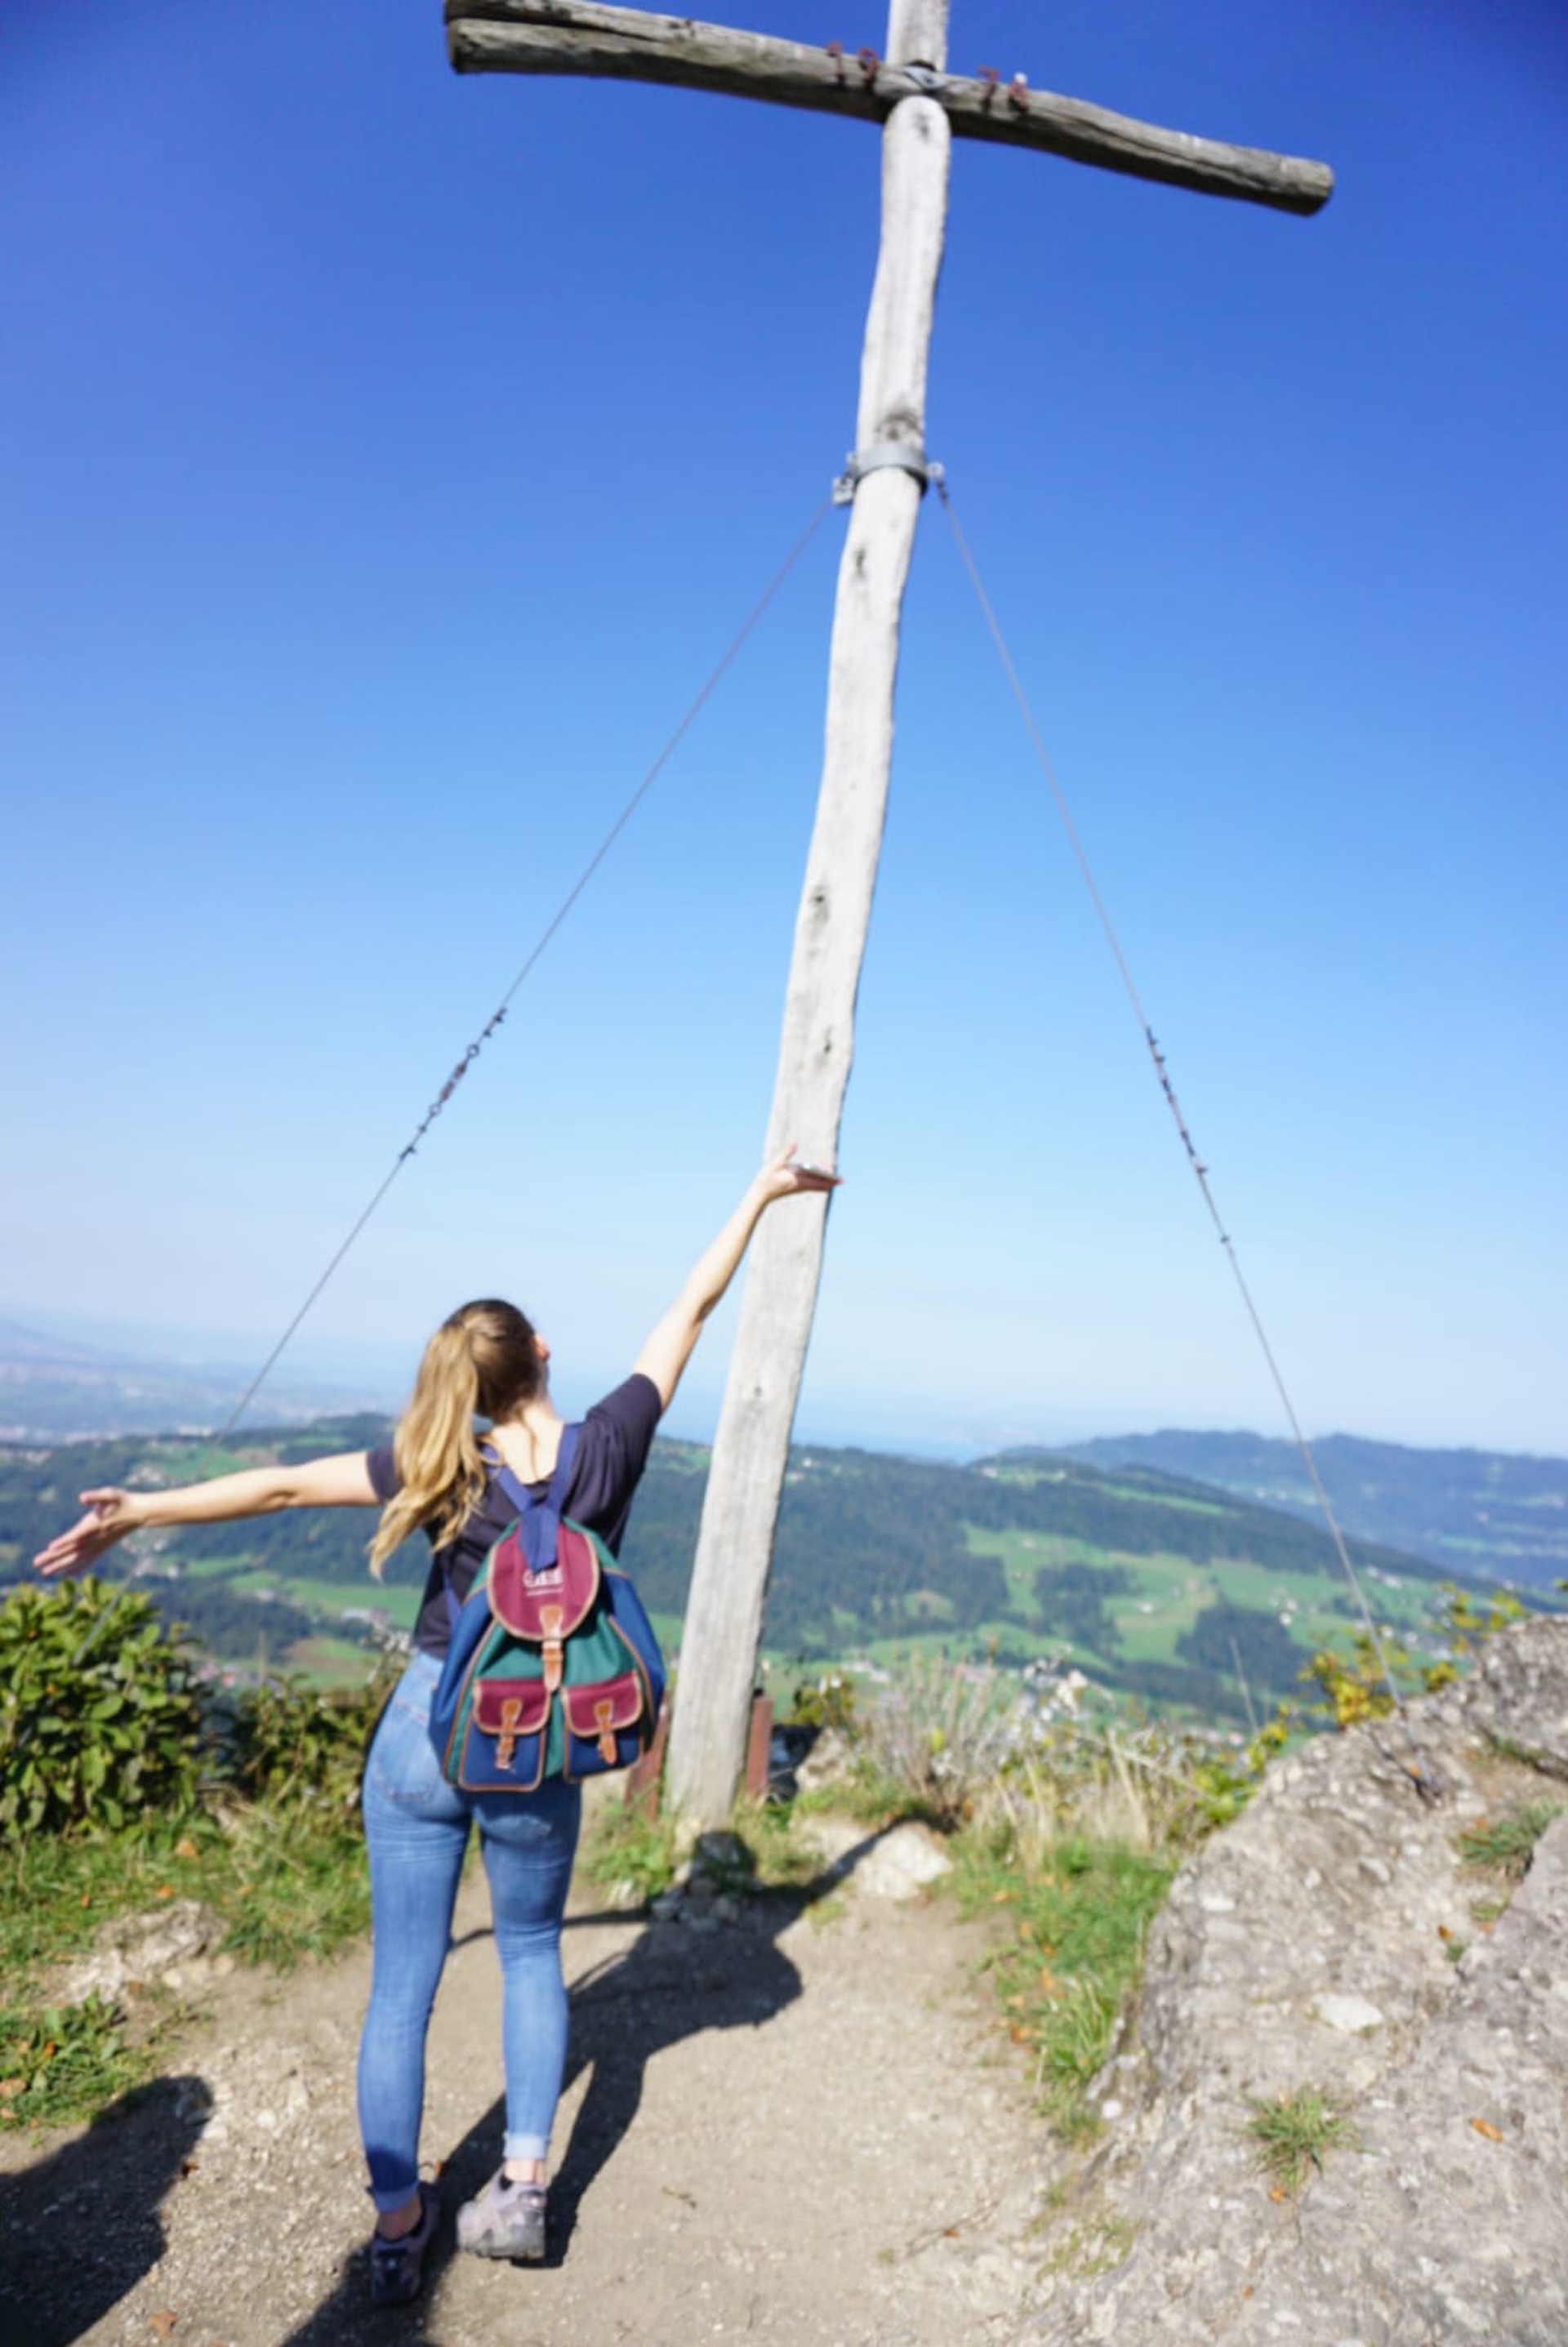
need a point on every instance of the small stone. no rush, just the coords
(1347, 2014)
(902, 1864)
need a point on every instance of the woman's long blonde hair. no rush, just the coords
(481, 1363)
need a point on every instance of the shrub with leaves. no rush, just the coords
(825, 1702)
(100, 1713)
(1357, 1686)
(1471, 1618)
(295, 1745)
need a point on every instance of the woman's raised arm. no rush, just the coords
(341, 1482)
(668, 1346)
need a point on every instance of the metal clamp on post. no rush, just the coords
(879, 458)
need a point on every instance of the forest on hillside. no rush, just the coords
(870, 1548)
(1476, 1513)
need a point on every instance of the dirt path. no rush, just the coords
(794, 2128)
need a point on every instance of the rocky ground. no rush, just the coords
(794, 2126)
(792, 2121)
(1335, 1939)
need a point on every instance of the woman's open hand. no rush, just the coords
(783, 1178)
(110, 1515)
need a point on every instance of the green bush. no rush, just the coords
(100, 1716)
(825, 1702)
(295, 1746)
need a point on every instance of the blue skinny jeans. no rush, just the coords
(416, 1828)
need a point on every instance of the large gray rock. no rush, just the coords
(1312, 1945)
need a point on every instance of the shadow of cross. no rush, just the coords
(921, 106)
(666, 1986)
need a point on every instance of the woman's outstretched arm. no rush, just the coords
(669, 1348)
(340, 1481)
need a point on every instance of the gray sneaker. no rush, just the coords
(504, 2221)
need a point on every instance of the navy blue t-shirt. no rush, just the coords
(611, 1454)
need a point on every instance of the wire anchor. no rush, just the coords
(884, 455)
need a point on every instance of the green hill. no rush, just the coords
(1487, 1513)
(1158, 1587)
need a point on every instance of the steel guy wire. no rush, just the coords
(1425, 1781)
(474, 1049)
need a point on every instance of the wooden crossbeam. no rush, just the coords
(581, 37)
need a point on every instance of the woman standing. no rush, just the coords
(439, 1474)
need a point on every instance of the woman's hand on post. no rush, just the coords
(110, 1515)
(669, 1348)
(783, 1177)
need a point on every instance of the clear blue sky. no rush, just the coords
(386, 457)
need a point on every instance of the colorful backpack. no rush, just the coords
(553, 1669)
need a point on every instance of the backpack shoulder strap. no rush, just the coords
(518, 1492)
(528, 1508)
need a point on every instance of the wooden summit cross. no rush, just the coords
(921, 106)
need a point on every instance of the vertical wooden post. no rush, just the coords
(734, 1548)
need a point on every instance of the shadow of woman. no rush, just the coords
(82, 2227)
(670, 1985)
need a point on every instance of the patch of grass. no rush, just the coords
(59, 1891)
(1505, 1845)
(628, 1858)
(1075, 1924)
(866, 1794)
(1295, 2133)
(66, 2063)
(286, 1886)
(1096, 2246)
(291, 1889)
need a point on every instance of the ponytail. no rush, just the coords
(483, 1361)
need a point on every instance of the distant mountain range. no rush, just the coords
(1478, 1514)
(1162, 1591)
(53, 1390)
(1495, 1514)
